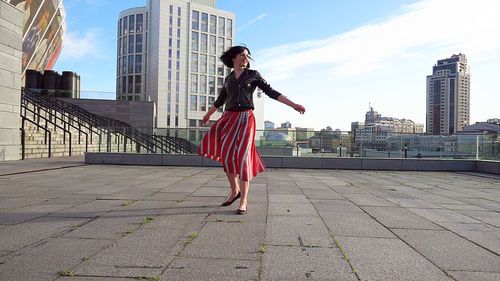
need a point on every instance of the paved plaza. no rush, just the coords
(63, 220)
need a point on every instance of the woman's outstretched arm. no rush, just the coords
(297, 107)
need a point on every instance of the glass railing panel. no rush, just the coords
(290, 143)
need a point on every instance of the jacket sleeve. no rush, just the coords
(221, 98)
(265, 87)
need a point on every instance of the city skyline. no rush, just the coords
(335, 61)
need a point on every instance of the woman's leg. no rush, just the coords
(235, 187)
(244, 186)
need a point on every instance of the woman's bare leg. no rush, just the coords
(244, 186)
(235, 187)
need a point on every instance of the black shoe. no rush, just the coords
(227, 203)
(241, 212)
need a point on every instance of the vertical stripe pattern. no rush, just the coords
(231, 141)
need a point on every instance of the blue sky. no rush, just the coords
(332, 56)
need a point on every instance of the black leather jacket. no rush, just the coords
(238, 93)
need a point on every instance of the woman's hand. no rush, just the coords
(211, 111)
(299, 108)
(206, 118)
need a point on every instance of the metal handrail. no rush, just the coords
(23, 136)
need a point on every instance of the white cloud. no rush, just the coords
(78, 46)
(386, 62)
(440, 25)
(252, 21)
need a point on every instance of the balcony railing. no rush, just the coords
(485, 146)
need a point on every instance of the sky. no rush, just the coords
(335, 57)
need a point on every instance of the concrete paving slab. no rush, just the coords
(292, 209)
(354, 224)
(484, 235)
(397, 217)
(443, 215)
(450, 251)
(298, 263)
(209, 269)
(16, 237)
(28, 213)
(388, 259)
(368, 200)
(45, 261)
(297, 231)
(475, 276)
(227, 241)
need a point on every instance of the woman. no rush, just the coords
(231, 139)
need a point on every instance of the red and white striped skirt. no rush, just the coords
(231, 141)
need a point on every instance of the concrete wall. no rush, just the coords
(11, 27)
(136, 113)
(400, 164)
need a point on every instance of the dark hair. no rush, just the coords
(229, 55)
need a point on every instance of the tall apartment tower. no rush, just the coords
(448, 96)
(168, 53)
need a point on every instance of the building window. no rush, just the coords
(131, 44)
(124, 65)
(124, 84)
(229, 43)
(194, 103)
(138, 63)
(195, 20)
(179, 11)
(194, 83)
(120, 28)
(222, 27)
(211, 65)
(220, 68)
(220, 46)
(138, 43)
(125, 25)
(130, 64)
(211, 85)
(203, 63)
(194, 62)
(139, 24)
(178, 21)
(211, 101)
(204, 22)
(138, 84)
(130, 84)
(125, 45)
(171, 9)
(212, 44)
(131, 25)
(203, 103)
(194, 41)
(204, 43)
(120, 47)
(229, 28)
(192, 123)
(213, 24)
(203, 84)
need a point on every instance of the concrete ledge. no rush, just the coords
(491, 167)
(381, 164)
(393, 164)
(341, 163)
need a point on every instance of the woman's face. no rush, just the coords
(241, 59)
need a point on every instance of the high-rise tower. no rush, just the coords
(448, 96)
(168, 53)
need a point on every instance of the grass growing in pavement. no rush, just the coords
(127, 203)
(194, 235)
(66, 272)
(147, 220)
